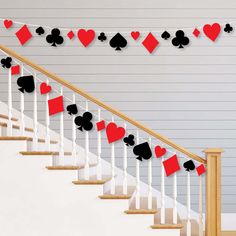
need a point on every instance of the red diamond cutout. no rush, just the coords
(171, 165)
(101, 125)
(55, 105)
(150, 42)
(23, 34)
(71, 35)
(15, 70)
(196, 32)
(201, 169)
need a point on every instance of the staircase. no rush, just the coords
(94, 180)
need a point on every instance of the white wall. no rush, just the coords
(187, 95)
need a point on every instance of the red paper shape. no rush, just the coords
(55, 105)
(71, 35)
(212, 31)
(196, 32)
(8, 24)
(45, 88)
(114, 133)
(171, 165)
(23, 34)
(86, 36)
(15, 70)
(135, 35)
(101, 125)
(150, 42)
(159, 151)
(201, 169)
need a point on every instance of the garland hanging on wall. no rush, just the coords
(149, 40)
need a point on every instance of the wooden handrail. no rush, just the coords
(103, 105)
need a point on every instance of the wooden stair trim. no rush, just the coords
(113, 197)
(92, 181)
(64, 167)
(41, 153)
(167, 226)
(17, 127)
(2, 138)
(102, 104)
(228, 233)
(141, 211)
(6, 117)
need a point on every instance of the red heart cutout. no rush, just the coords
(159, 151)
(114, 133)
(44, 88)
(8, 23)
(135, 35)
(212, 31)
(86, 36)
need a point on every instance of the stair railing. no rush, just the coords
(212, 161)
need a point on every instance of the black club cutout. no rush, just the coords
(6, 62)
(102, 37)
(129, 141)
(180, 39)
(84, 122)
(55, 38)
(228, 28)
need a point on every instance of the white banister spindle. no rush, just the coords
(22, 107)
(150, 178)
(47, 118)
(99, 150)
(86, 166)
(200, 207)
(125, 184)
(61, 152)
(73, 133)
(163, 194)
(189, 231)
(137, 198)
(175, 192)
(9, 125)
(35, 139)
(113, 183)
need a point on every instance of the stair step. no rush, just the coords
(119, 193)
(40, 140)
(92, 181)
(16, 127)
(6, 117)
(68, 167)
(167, 226)
(141, 211)
(42, 153)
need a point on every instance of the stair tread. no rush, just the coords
(6, 117)
(168, 218)
(141, 211)
(93, 181)
(119, 193)
(44, 153)
(3, 124)
(25, 138)
(69, 167)
(167, 226)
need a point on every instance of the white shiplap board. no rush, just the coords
(188, 95)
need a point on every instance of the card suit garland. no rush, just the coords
(55, 105)
(26, 84)
(212, 31)
(114, 133)
(159, 151)
(8, 24)
(101, 125)
(86, 36)
(196, 32)
(45, 88)
(23, 34)
(150, 43)
(70, 34)
(135, 34)
(84, 122)
(15, 70)
(171, 165)
(201, 169)
(143, 151)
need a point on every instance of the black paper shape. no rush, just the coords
(102, 37)
(84, 121)
(180, 40)
(129, 141)
(228, 28)
(26, 84)
(55, 38)
(118, 42)
(165, 35)
(143, 151)
(189, 165)
(40, 30)
(6, 62)
(72, 109)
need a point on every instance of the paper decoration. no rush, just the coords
(70, 34)
(228, 28)
(135, 35)
(196, 32)
(84, 122)
(165, 35)
(45, 88)
(118, 42)
(72, 109)
(23, 35)
(171, 165)
(150, 42)
(212, 31)
(40, 30)
(6, 62)
(101, 125)
(8, 24)
(26, 84)
(201, 169)
(129, 140)
(86, 36)
(159, 151)
(55, 38)
(55, 105)
(143, 151)
(189, 166)
(114, 133)
(102, 37)
(180, 39)
(15, 70)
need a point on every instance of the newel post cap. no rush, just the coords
(213, 150)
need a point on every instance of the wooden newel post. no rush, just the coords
(213, 192)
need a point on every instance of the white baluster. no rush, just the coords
(125, 184)
(22, 107)
(113, 183)
(86, 166)
(47, 118)
(175, 217)
(150, 179)
(35, 139)
(74, 133)
(137, 199)
(61, 152)
(188, 205)
(200, 208)
(99, 149)
(163, 194)
(9, 125)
